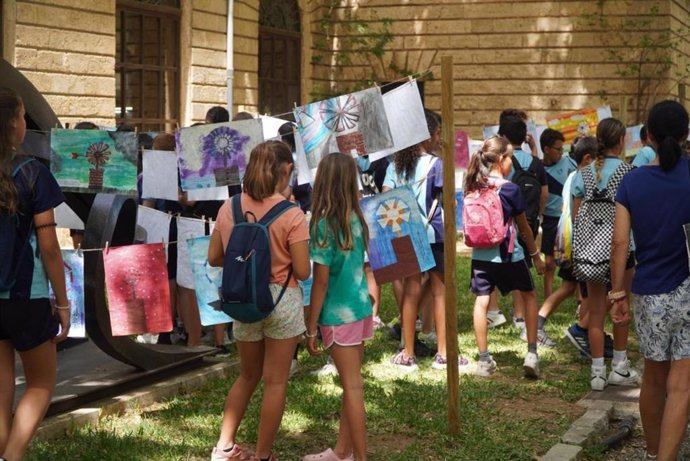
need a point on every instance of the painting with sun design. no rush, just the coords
(398, 242)
(354, 124)
(216, 155)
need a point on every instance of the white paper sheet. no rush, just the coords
(209, 193)
(156, 223)
(66, 218)
(160, 175)
(405, 113)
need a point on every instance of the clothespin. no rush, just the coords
(80, 253)
(203, 218)
(107, 247)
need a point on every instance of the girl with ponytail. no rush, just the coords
(653, 202)
(266, 347)
(611, 142)
(498, 267)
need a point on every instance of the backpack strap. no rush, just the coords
(615, 180)
(497, 183)
(20, 165)
(236, 205)
(273, 214)
(590, 183)
(516, 164)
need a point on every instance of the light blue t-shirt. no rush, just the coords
(645, 156)
(610, 165)
(523, 158)
(426, 183)
(556, 176)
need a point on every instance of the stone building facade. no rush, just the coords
(162, 63)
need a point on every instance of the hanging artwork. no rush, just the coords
(73, 263)
(216, 154)
(136, 279)
(354, 124)
(406, 119)
(159, 175)
(580, 122)
(94, 160)
(207, 281)
(187, 228)
(633, 140)
(209, 193)
(398, 242)
(462, 150)
(155, 223)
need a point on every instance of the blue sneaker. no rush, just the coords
(579, 339)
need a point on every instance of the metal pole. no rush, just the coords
(450, 237)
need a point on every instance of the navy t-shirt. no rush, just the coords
(37, 192)
(658, 205)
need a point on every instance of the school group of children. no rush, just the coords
(332, 246)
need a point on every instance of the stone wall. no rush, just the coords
(543, 57)
(68, 53)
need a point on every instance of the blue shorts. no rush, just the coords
(27, 323)
(437, 251)
(549, 230)
(506, 276)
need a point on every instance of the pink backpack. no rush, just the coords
(482, 217)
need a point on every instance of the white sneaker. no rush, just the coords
(293, 368)
(519, 324)
(531, 365)
(622, 375)
(495, 318)
(418, 325)
(328, 369)
(485, 369)
(429, 339)
(598, 378)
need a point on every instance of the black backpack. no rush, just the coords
(245, 292)
(9, 229)
(529, 185)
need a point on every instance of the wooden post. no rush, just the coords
(450, 240)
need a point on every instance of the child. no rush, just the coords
(339, 297)
(611, 141)
(496, 267)
(646, 155)
(417, 168)
(557, 167)
(28, 321)
(266, 347)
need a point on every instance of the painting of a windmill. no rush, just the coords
(398, 244)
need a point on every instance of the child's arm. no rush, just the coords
(51, 256)
(528, 238)
(299, 254)
(620, 243)
(318, 294)
(215, 250)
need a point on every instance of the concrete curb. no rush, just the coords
(582, 432)
(58, 426)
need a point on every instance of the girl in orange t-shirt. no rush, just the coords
(265, 347)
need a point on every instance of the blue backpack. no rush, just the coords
(245, 293)
(9, 229)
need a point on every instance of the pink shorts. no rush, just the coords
(349, 334)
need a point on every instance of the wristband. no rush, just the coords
(534, 254)
(307, 335)
(45, 226)
(614, 301)
(615, 295)
(62, 308)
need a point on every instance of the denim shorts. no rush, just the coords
(663, 324)
(286, 321)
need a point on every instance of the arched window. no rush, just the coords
(280, 53)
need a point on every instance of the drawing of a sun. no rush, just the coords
(340, 114)
(392, 213)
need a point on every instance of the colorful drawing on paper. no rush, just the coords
(462, 150)
(633, 140)
(217, 154)
(398, 243)
(136, 278)
(207, 282)
(573, 124)
(94, 160)
(73, 262)
(354, 124)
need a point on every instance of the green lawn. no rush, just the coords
(502, 418)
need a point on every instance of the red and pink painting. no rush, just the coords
(136, 279)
